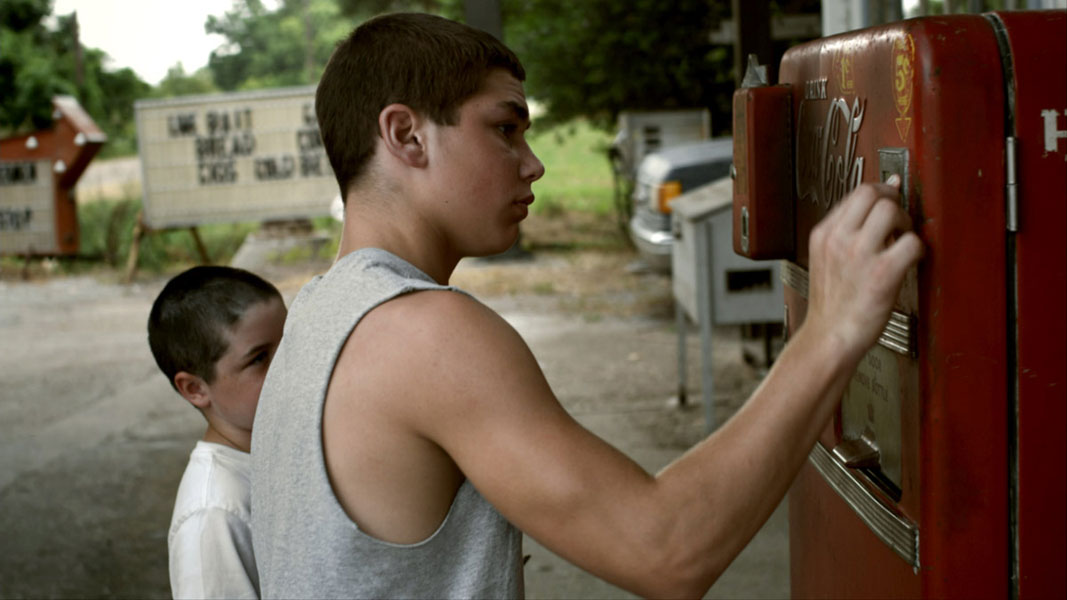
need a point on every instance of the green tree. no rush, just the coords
(291, 44)
(596, 58)
(285, 47)
(27, 75)
(39, 62)
(179, 83)
(364, 9)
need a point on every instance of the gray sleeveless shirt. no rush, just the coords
(305, 544)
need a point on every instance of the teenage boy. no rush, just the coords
(213, 332)
(405, 433)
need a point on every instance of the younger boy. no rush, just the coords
(213, 332)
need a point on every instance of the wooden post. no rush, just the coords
(140, 230)
(24, 272)
(135, 246)
(752, 35)
(200, 248)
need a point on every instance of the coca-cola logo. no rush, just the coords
(827, 165)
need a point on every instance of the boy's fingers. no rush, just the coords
(905, 251)
(852, 212)
(885, 218)
(858, 204)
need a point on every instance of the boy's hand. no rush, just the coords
(859, 255)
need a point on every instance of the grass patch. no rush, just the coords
(577, 172)
(544, 288)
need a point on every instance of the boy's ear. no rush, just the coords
(193, 388)
(398, 126)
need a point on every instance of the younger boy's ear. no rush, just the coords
(398, 128)
(193, 388)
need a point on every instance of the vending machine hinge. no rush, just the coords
(1011, 186)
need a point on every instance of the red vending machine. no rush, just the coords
(943, 472)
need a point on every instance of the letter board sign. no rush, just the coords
(243, 156)
(38, 172)
(27, 219)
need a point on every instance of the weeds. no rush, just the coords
(106, 229)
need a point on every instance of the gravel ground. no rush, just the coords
(93, 440)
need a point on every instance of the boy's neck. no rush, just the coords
(416, 242)
(238, 440)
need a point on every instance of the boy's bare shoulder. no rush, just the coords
(446, 355)
(426, 315)
(435, 333)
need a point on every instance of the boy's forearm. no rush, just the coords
(679, 531)
(720, 493)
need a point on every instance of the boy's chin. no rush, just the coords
(505, 245)
(512, 245)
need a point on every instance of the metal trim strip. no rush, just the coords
(901, 535)
(795, 276)
(897, 335)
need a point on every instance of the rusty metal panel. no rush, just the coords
(763, 188)
(1039, 119)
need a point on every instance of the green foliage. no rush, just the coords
(290, 45)
(364, 9)
(596, 58)
(28, 76)
(38, 63)
(179, 83)
(20, 15)
(285, 47)
(577, 172)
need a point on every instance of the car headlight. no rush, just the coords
(666, 192)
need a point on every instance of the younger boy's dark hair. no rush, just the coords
(186, 328)
(428, 63)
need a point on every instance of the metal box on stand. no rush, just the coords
(711, 284)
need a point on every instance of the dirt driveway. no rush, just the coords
(93, 440)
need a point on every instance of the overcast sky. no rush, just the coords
(149, 36)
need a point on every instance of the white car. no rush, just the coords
(661, 177)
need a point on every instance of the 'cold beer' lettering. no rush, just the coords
(271, 167)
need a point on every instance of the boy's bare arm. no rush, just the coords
(479, 394)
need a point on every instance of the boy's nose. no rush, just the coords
(531, 169)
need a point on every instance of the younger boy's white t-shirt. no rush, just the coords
(210, 540)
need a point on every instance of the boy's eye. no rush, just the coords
(507, 129)
(262, 356)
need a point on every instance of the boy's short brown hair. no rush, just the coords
(188, 322)
(428, 63)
